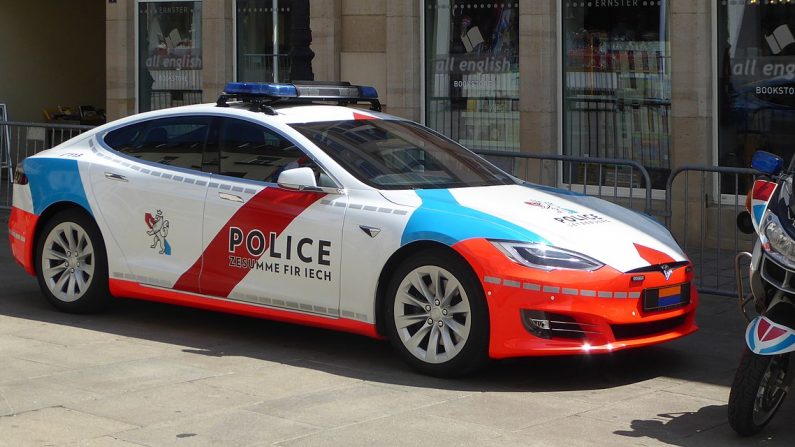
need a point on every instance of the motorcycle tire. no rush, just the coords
(758, 390)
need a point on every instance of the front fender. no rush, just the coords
(766, 337)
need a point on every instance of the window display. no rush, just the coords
(170, 57)
(262, 48)
(617, 84)
(756, 80)
(472, 72)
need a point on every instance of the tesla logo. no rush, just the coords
(780, 39)
(667, 271)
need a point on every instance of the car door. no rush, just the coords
(150, 192)
(267, 245)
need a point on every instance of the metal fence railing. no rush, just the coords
(702, 204)
(625, 182)
(22, 139)
(699, 204)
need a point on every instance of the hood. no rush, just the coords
(616, 236)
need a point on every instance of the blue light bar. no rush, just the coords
(368, 92)
(341, 91)
(261, 89)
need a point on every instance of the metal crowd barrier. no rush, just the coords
(702, 204)
(625, 182)
(700, 207)
(19, 140)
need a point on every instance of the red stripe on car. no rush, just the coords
(653, 256)
(270, 211)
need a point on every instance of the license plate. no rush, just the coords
(666, 298)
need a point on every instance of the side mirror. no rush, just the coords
(766, 162)
(297, 178)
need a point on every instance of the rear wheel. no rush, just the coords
(437, 316)
(758, 390)
(71, 266)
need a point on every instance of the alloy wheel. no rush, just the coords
(67, 261)
(432, 314)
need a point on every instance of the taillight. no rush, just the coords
(19, 176)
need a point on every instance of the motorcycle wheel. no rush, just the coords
(757, 392)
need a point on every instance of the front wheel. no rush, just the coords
(71, 266)
(759, 388)
(437, 316)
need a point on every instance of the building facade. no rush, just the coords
(633, 79)
(661, 82)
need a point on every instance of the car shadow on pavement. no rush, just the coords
(709, 426)
(214, 334)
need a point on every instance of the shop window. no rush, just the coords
(262, 43)
(170, 54)
(472, 72)
(617, 87)
(756, 81)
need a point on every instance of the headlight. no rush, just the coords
(545, 257)
(779, 239)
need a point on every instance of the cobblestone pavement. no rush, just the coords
(156, 375)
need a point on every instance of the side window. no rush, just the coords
(177, 141)
(253, 152)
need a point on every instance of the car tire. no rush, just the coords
(71, 264)
(436, 314)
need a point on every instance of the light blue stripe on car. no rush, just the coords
(54, 180)
(442, 219)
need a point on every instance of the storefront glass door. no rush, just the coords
(262, 44)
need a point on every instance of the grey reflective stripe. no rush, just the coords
(551, 289)
(569, 291)
(620, 295)
(531, 286)
(588, 292)
(491, 280)
(605, 294)
(634, 294)
(510, 283)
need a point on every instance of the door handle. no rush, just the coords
(230, 197)
(117, 177)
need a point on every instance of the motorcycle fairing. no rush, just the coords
(761, 193)
(765, 337)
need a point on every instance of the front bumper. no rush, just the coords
(589, 312)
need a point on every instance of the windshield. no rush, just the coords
(390, 154)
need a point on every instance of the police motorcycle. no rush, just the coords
(767, 366)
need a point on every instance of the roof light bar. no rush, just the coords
(262, 95)
(320, 91)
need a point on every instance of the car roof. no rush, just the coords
(286, 114)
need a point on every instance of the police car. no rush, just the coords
(286, 202)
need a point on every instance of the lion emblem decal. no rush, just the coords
(158, 229)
